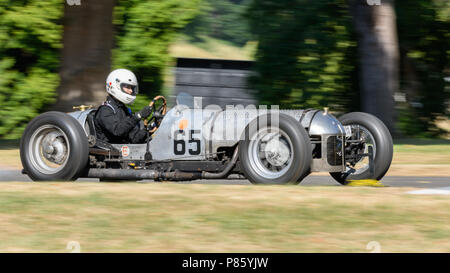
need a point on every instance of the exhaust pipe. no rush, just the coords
(131, 174)
(226, 171)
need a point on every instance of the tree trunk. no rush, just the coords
(378, 51)
(86, 55)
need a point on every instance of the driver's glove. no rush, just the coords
(144, 113)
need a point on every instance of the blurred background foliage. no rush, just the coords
(144, 31)
(305, 53)
(30, 39)
(424, 40)
(224, 20)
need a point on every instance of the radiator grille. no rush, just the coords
(334, 151)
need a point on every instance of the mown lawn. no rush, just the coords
(166, 217)
(421, 157)
(422, 151)
(210, 48)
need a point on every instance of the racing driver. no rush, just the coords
(114, 121)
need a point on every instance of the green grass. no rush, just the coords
(218, 218)
(422, 151)
(421, 141)
(207, 47)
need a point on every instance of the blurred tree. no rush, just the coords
(424, 47)
(305, 56)
(221, 19)
(144, 31)
(30, 39)
(86, 55)
(378, 57)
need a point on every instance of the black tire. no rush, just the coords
(70, 134)
(383, 143)
(297, 141)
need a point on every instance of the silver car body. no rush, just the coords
(198, 134)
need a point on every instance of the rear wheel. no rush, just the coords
(367, 132)
(273, 154)
(54, 147)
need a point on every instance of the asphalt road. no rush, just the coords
(312, 180)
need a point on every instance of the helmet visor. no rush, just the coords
(129, 89)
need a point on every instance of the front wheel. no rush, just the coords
(54, 146)
(365, 131)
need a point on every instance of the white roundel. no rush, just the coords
(125, 151)
(119, 83)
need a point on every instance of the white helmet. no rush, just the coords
(115, 82)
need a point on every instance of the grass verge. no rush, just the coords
(210, 48)
(421, 157)
(130, 217)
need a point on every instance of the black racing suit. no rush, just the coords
(115, 123)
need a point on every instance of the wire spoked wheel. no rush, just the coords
(366, 139)
(367, 133)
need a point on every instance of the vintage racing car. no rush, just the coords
(187, 143)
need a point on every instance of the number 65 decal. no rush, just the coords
(179, 145)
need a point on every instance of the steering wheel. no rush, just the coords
(153, 123)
